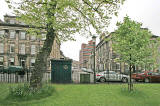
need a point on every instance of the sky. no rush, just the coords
(145, 11)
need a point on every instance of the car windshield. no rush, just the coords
(110, 72)
(104, 72)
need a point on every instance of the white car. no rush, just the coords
(111, 76)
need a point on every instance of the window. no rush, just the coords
(43, 36)
(22, 23)
(22, 62)
(12, 34)
(49, 63)
(117, 66)
(32, 62)
(22, 35)
(33, 37)
(12, 48)
(1, 33)
(126, 67)
(86, 51)
(112, 72)
(114, 66)
(12, 21)
(22, 49)
(1, 48)
(113, 55)
(1, 61)
(11, 61)
(33, 49)
(106, 72)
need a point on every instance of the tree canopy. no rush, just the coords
(67, 16)
(132, 43)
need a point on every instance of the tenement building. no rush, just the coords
(19, 48)
(105, 57)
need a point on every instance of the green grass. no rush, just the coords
(91, 95)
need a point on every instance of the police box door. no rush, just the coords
(61, 71)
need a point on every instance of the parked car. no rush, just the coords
(111, 76)
(146, 76)
(154, 77)
(140, 76)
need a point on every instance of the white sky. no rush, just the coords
(144, 11)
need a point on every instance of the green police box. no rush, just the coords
(61, 71)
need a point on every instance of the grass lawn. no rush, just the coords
(91, 95)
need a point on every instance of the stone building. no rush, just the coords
(105, 57)
(75, 65)
(19, 48)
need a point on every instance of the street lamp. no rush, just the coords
(94, 51)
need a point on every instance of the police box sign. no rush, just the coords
(65, 67)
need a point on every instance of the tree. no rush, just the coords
(62, 18)
(132, 44)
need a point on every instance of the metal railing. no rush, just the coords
(15, 78)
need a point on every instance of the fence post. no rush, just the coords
(8, 76)
(27, 75)
(16, 78)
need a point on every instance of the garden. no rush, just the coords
(85, 95)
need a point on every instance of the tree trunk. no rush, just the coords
(130, 84)
(134, 69)
(41, 60)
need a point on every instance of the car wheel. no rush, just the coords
(102, 79)
(124, 80)
(137, 80)
(146, 80)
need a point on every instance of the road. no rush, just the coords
(115, 82)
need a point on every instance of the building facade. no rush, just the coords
(75, 65)
(85, 53)
(105, 57)
(19, 48)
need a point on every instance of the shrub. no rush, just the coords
(25, 92)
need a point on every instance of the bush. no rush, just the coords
(25, 92)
